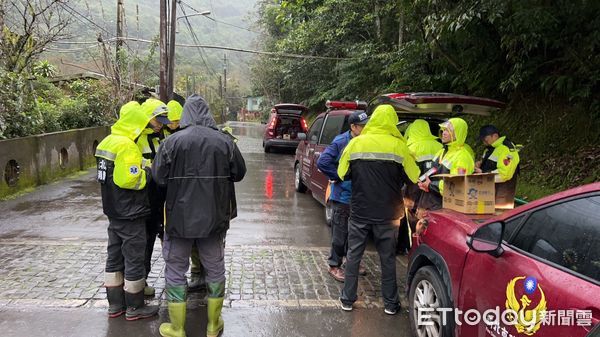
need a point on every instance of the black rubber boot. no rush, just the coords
(116, 301)
(137, 308)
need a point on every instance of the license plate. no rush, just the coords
(286, 136)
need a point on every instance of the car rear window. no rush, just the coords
(289, 111)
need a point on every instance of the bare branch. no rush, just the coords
(42, 22)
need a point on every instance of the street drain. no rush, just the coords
(11, 173)
(64, 158)
(94, 146)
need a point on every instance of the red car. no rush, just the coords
(434, 107)
(284, 126)
(322, 131)
(538, 265)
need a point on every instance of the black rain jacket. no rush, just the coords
(198, 165)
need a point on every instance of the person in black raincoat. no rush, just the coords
(198, 165)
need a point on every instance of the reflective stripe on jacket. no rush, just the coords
(119, 167)
(378, 163)
(199, 166)
(502, 158)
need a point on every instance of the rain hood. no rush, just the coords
(383, 121)
(132, 121)
(419, 131)
(196, 112)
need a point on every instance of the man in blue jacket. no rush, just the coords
(340, 193)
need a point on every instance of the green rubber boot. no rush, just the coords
(216, 292)
(177, 316)
(177, 308)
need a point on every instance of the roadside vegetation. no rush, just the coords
(29, 102)
(541, 58)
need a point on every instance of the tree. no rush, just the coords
(28, 27)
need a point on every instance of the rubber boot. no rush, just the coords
(177, 318)
(116, 301)
(216, 292)
(149, 291)
(136, 308)
(177, 308)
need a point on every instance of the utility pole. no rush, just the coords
(119, 44)
(171, 58)
(120, 16)
(224, 95)
(221, 95)
(163, 51)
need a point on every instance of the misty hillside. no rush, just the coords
(142, 21)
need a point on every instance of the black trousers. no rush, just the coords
(339, 233)
(385, 242)
(153, 229)
(154, 223)
(126, 248)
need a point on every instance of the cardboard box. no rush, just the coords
(505, 194)
(469, 194)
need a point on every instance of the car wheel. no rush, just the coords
(298, 184)
(427, 291)
(328, 213)
(267, 148)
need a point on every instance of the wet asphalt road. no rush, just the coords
(270, 213)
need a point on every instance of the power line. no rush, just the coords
(219, 21)
(274, 54)
(195, 38)
(58, 50)
(71, 10)
(74, 42)
(232, 25)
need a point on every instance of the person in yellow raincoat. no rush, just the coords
(378, 163)
(454, 158)
(123, 183)
(423, 146)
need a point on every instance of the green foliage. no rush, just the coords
(542, 58)
(44, 69)
(33, 106)
(489, 48)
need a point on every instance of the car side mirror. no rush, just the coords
(488, 239)
(301, 136)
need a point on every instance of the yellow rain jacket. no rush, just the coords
(175, 110)
(149, 141)
(379, 164)
(422, 144)
(455, 157)
(119, 166)
(502, 158)
(174, 115)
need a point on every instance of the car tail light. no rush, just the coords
(362, 105)
(271, 127)
(304, 125)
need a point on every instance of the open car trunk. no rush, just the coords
(288, 124)
(437, 104)
(287, 127)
